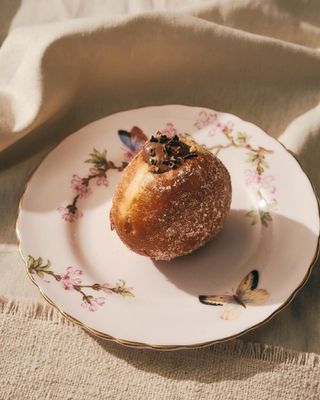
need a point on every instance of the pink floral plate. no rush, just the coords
(239, 280)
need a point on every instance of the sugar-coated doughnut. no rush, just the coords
(173, 197)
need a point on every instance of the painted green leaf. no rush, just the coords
(45, 267)
(241, 138)
(253, 158)
(97, 158)
(40, 273)
(122, 289)
(30, 262)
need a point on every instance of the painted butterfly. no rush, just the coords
(133, 140)
(246, 293)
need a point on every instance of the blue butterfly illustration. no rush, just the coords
(133, 140)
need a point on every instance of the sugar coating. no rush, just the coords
(206, 220)
(176, 212)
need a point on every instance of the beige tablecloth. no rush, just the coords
(68, 63)
(48, 358)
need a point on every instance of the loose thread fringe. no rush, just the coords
(267, 353)
(32, 310)
(277, 355)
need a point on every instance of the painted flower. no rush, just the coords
(68, 215)
(204, 119)
(256, 180)
(94, 170)
(102, 181)
(169, 130)
(79, 187)
(101, 178)
(106, 288)
(94, 304)
(70, 278)
(222, 126)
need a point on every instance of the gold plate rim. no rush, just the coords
(141, 345)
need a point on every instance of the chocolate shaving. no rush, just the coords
(164, 154)
(163, 139)
(190, 155)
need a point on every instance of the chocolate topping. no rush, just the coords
(163, 153)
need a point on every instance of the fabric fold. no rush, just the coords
(152, 58)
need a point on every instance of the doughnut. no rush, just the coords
(172, 198)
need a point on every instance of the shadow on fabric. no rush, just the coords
(9, 9)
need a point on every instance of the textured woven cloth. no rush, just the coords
(64, 65)
(62, 68)
(46, 357)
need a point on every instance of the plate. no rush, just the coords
(239, 280)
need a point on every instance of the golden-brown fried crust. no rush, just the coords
(171, 214)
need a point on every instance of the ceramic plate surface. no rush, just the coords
(243, 276)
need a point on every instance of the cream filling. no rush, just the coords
(141, 178)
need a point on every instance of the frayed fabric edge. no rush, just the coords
(30, 309)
